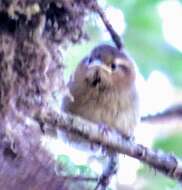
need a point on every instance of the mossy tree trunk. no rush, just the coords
(31, 68)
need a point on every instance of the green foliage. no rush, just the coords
(72, 169)
(171, 144)
(156, 181)
(68, 168)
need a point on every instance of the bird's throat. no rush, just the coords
(96, 79)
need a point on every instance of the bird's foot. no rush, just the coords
(104, 129)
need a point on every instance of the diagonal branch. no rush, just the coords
(115, 37)
(165, 163)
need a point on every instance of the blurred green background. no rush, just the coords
(153, 37)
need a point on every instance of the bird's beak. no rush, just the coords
(97, 63)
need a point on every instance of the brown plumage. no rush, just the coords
(103, 90)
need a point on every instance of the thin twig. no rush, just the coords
(167, 164)
(173, 112)
(115, 37)
(110, 170)
(80, 178)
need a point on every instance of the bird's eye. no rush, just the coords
(90, 60)
(124, 68)
(113, 66)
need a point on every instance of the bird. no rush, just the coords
(103, 90)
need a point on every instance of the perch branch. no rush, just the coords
(115, 37)
(165, 163)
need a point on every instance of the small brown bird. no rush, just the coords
(103, 90)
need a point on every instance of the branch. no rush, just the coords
(115, 37)
(80, 178)
(173, 112)
(165, 163)
(109, 171)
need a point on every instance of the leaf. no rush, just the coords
(171, 144)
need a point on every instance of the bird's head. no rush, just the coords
(107, 67)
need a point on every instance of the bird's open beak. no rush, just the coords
(99, 64)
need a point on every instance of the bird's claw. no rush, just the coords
(104, 129)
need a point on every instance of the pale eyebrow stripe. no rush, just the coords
(104, 67)
(120, 61)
